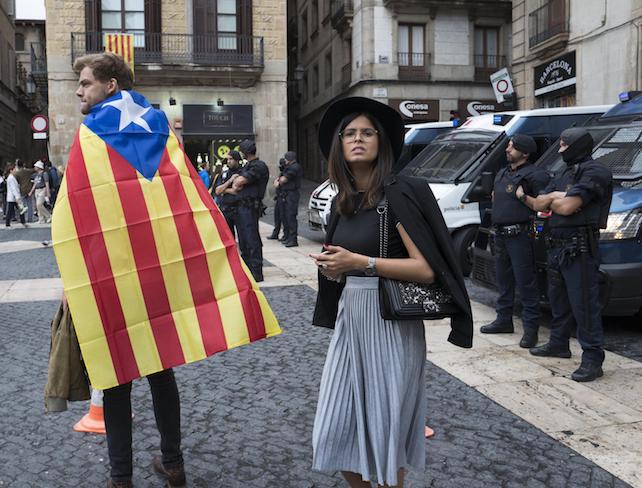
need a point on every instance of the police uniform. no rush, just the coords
(290, 201)
(515, 261)
(278, 218)
(249, 209)
(573, 256)
(228, 202)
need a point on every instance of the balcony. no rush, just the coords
(341, 12)
(548, 26)
(487, 64)
(413, 66)
(161, 58)
(346, 76)
(38, 63)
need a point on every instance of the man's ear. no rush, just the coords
(112, 86)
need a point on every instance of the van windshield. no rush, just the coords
(619, 149)
(450, 154)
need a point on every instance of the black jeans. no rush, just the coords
(118, 423)
(11, 212)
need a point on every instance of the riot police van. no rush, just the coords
(451, 162)
(617, 139)
(417, 137)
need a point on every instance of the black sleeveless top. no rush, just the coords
(359, 233)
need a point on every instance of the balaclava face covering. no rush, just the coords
(580, 145)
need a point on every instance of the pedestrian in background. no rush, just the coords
(42, 192)
(14, 199)
(580, 198)
(228, 198)
(24, 176)
(512, 222)
(278, 204)
(371, 411)
(250, 187)
(289, 183)
(204, 173)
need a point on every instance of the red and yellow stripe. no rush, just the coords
(121, 44)
(151, 271)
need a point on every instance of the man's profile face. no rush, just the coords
(92, 91)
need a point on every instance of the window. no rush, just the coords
(411, 45)
(20, 42)
(314, 17)
(305, 86)
(226, 22)
(315, 80)
(487, 47)
(328, 69)
(124, 16)
(304, 28)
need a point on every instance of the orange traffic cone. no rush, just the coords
(94, 421)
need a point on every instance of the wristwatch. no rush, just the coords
(371, 268)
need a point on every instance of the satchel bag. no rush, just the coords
(406, 300)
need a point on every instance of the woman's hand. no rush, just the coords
(336, 260)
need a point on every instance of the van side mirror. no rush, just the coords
(481, 189)
(487, 181)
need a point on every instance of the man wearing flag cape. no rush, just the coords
(150, 269)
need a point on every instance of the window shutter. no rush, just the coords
(93, 37)
(153, 25)
(244, 8)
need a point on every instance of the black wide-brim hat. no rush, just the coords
(387, 116)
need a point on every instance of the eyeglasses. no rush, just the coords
(350, 135)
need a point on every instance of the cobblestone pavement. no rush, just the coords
(247, 414)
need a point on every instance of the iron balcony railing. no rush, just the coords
(487, 64)
(38, 59)
(413, 65)
(181, 49)
(547, 21)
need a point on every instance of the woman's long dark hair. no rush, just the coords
(8, 169)
(340, 171)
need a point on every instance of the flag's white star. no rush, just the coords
(130, 111)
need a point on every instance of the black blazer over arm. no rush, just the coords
(416, 208)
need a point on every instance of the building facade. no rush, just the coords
(216, 67)
(429, 59)
(8, 94)
(576, 52)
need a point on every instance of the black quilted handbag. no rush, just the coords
(406, 300)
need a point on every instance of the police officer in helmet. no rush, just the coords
(289, 182)
(250, 187)
(580, 198)
(515, 264)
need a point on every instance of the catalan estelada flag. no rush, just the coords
(121, 44)
(149, 267)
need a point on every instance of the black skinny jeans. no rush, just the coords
(11, 212)
(118, 423)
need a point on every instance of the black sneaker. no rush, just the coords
(587, 372)
(547, 350)
(290, 243)
(529, 339)
(273, 237)
(497, 327)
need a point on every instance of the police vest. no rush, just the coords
(596, 212)
(507, 209)
(257, 172)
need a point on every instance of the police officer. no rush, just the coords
(289, 182)
(278, 204)
(579, 197)
(250, 186)
(515, 263)
(227, 198)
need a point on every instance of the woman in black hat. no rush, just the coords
(371, 412)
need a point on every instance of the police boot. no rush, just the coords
(587, 372)
(497, 327)
(529, 339)
(550, 351)
(291, 243)
(175, 475)
(273, 236)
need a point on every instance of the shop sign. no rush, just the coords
(472, 108)
(218, 120)
(555, 75)
(415, 110)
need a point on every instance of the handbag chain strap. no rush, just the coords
(382, 210)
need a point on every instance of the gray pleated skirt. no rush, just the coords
(371, 413)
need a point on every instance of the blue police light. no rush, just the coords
(497, 119)
(455, 122)
(624, 96)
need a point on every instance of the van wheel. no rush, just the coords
(463, 241)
